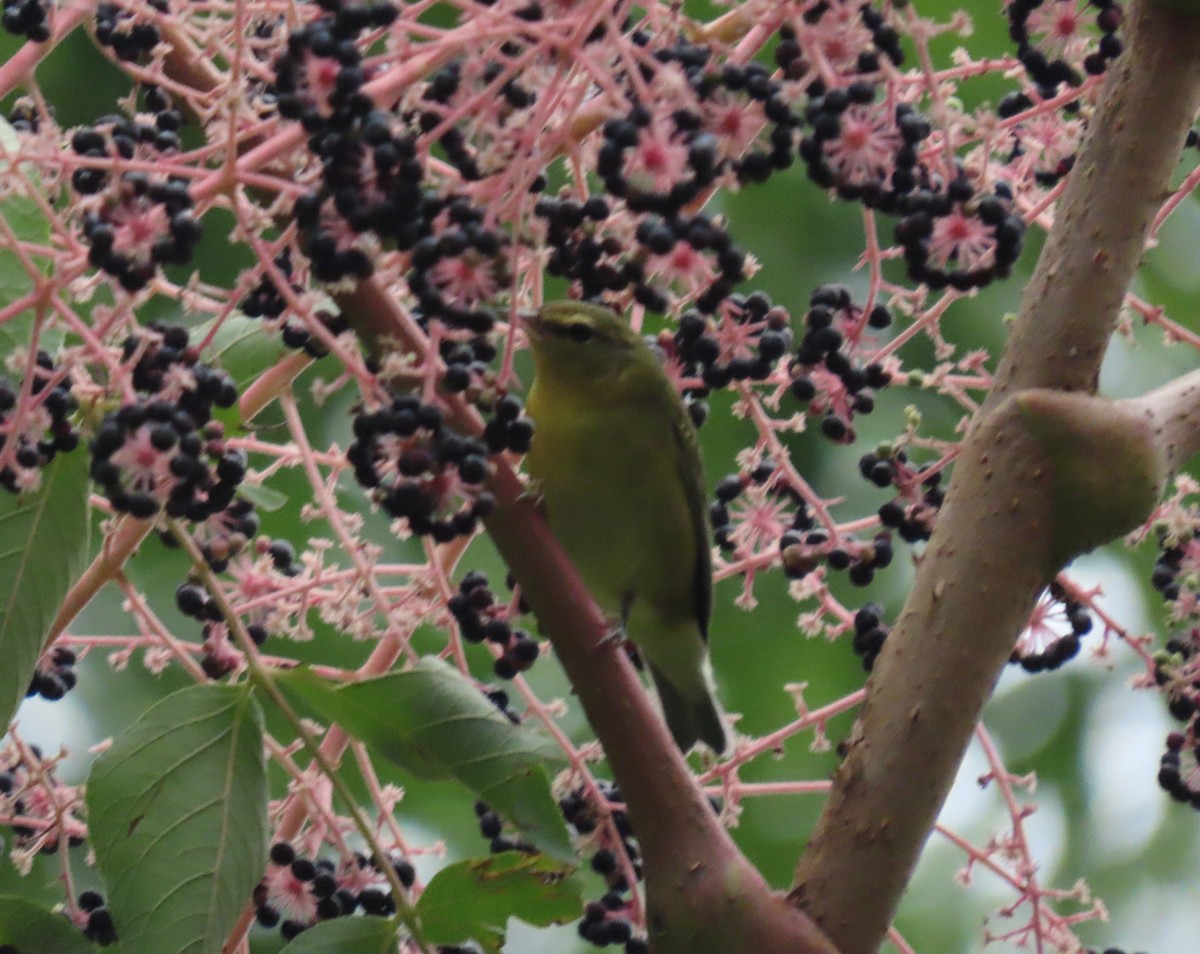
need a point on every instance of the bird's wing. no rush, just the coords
(691, 475)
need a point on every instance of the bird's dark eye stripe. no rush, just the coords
(577, 331)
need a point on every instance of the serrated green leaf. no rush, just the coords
(177, 811)
(360, 714)
(435, 723)
(366, 935)
(474, 899)
(43, 550)
(29, 927)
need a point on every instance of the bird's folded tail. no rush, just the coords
(691, 719)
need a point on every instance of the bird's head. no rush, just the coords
(583, 341)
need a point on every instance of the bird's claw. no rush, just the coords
(613, 636)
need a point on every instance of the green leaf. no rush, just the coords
(29, 224)
(29, 927)
(435, 723)
(244, 349)
(242, 346)
(22, 214)
(366, 935)
(474, 899)
(178, 819)
(43, 549)
(365, 715)
(264, 498)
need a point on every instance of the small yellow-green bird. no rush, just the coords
(616, 462)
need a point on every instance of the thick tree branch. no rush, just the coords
(1004, 530)
(1174, 412)
(1123, 172)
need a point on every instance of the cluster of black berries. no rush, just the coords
(956, 220)
(467, 363)
(26, 18)
(603, 924)
(100, 928)
(801, 547)
(318, 81)
(162, 451)
(854, 145)
(863, 560)
(601, 264)
(420, 470)
(870, 631)
(328, 95)
(802, 552)
(442, 87)
(500, 699)
(447, 84)
(491, 827)
(730, 487)
(596, 263)
(296, 334)
(34, 792)
(219, 655)
(743, 343)
(607, 921)
(700, 131)
(912, 513)
(508, 428)
(1050, 73)
(842, 123)
(130, 38)
(824, 372)
(1183, 695)
(1176, 780)
(168, 119)
(144, 220)
(789, 55)
(871, 154)
(371, 176)
(324, 888)
(1166, 569)
(223, 535)
(165, 365)
(194, 600)
(55, 677)
(47, 430)
(457, 265)
(1051, 166)
(479, 618)
(1035, 653)
(113, 136)
(266, 301)
(146, 451)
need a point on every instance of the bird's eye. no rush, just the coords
(579, 332)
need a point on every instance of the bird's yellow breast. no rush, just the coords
(610, 479)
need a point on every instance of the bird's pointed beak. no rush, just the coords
(530, 322)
